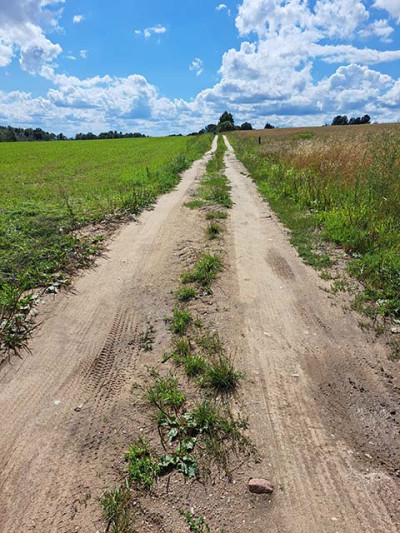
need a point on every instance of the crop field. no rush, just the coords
(49, 190)
(340, 184)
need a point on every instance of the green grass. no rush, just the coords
(142, 468)
(221, 375)
(196, 524)
(180, 321)
(48, 190)
(213, 230)
(194, 204)
(165, 393)
(185, 294)
(195, 365)
(204, 271)
(216, 215)
(116, 507)
(215, 189)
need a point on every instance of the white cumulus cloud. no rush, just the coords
(22, 31)
(391, 6)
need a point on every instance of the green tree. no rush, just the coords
(226, 117)
(225, 126)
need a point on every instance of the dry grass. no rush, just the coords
(347, 179)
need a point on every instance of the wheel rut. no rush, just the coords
(66, 410)
(293, 340)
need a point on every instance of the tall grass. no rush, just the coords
(346, 188)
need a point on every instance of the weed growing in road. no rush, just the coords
(213, 215)
(16, 324)
(185, 294)
(180, 321)
(181, 350)
(116, 507)
(221, 375)
(204, 271)
(194, 204)
(215, 189)
(195, 365)
(213, 230)
(165, 393)
(142, 468)
(196, 524)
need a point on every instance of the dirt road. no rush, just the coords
(298, 345)
(66, 411)
(57, 404)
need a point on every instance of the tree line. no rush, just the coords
(10, 134)
(226, 123)
(342, 120)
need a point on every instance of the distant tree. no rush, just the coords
(226, 117)
(340, 120)
(269, 126)
(226, 126)
(211, 128)
(246, 126)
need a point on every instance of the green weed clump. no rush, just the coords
(216, 189)
(213, 230)
(142, 468)
(221, 375)
(215, 215)
(165, 393)
(204, 271)
(185, 294)
(194, 204)
(196, 524)
(195, 365)
(180, 321)
(116, 507)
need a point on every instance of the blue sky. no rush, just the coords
(163, 66)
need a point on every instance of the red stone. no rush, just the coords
(260, 486)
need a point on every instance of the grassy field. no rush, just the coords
(49, 190)
(340, 184)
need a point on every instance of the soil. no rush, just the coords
(321, 394)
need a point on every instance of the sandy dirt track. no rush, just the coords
(314, 391)
(52, 457)
(297, 342)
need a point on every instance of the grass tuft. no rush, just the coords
(221, 375)
(204, 271)
(142, 468)
(180, 321)
(215, 215)
(213, 230)
(185, 294)
(165, 393)
(116, 507)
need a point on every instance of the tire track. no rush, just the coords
(66, 411)
(292, 336)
